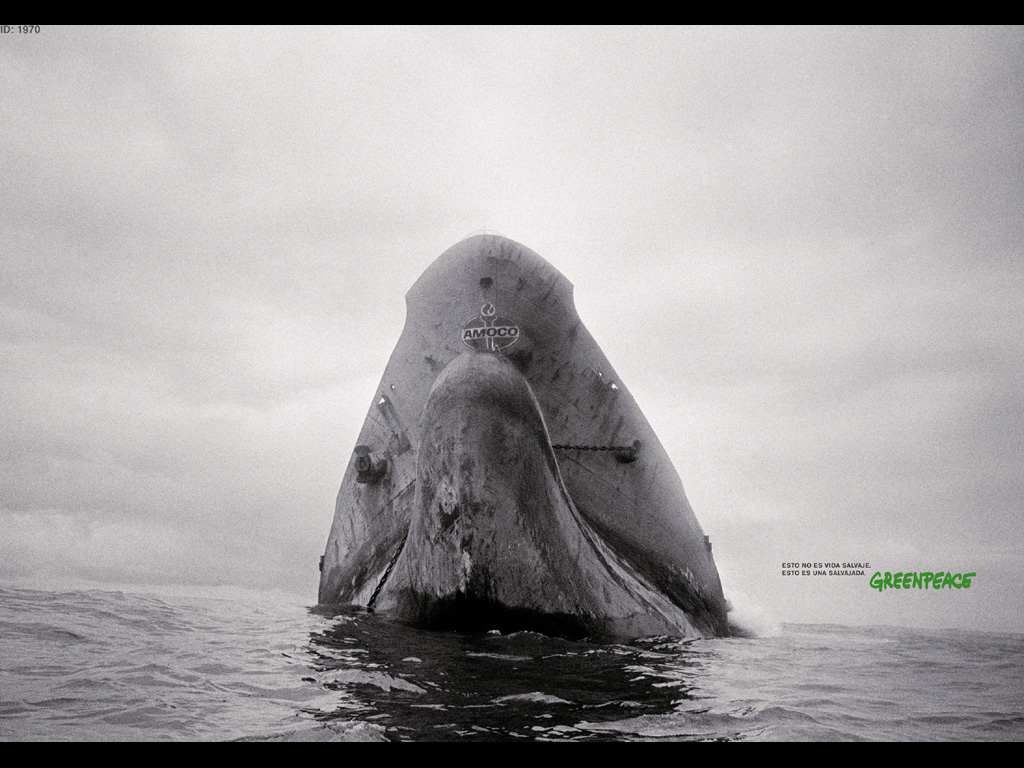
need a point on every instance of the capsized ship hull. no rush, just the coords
(506, 479)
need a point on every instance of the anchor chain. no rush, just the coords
(387, 572)
(625, 454)
(593, 447)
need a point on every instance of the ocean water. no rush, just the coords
(126, 665)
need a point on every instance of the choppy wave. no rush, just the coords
(102, 665)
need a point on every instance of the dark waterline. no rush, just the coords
(451, 686)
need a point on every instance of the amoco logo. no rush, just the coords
(489, 332)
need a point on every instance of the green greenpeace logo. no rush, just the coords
(921, 580)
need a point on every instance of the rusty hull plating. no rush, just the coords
(506, 479)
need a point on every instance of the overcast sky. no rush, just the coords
(800, 248)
